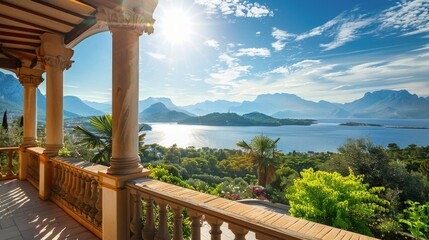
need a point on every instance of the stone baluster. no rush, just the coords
(87, 198)
(136, 214)
(196, 224)
(163, 232)
(215, 224)
(94, 197)
(239, 232)
(148, 231)
(54, 178)
(78, 190)
(67, 183)
(99, 206)
(64, 184)
(71, 196)
(82, 193)
(9, 164)
(178, 223)
(29, 168)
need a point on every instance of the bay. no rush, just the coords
(326, 135)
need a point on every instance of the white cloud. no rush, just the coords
(411, 17)
(347, 32)
(281, 36)
(212, 43)
(253, 52)
(157, 56)
(70, 86)
(226, 76)
(320, 29)
(238, 8)
(280, 70)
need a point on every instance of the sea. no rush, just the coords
(326, 135)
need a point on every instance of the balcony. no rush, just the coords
(77, 188)
(104, 202)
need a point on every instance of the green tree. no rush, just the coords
(416, 219)
(329, 198)
(99, 137)
(4, 123)
(262, 151)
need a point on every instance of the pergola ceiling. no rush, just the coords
(22, 22)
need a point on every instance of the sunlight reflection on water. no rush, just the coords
(325, 136)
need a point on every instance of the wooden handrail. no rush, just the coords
(241, 218)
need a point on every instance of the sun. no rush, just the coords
(177, 26)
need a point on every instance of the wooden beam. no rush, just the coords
(31, 51)
(30, 24)
(19, 35)
(37, 13)
(41, 2)
(106, 3)
(31, 44)
(21, 29)
(79, 29)
(8, 63)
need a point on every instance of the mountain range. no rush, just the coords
(378, 104)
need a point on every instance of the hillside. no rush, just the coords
(233, 119)
(207, 107)
(75, 105)
(158, 112)
(389, 104)
(260, 117)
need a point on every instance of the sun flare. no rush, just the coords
(177, 26)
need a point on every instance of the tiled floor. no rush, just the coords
(24, 216)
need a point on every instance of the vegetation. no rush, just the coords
(355, 183)
(251, 119)
(262, 152)
(99, 137)
(334, 200)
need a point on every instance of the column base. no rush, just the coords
(51, 150)
(29, 142)
(124, 166)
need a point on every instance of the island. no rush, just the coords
(250, 119)
(357, 124)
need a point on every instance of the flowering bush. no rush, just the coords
(258, 192)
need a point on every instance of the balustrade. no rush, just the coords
(8, 163)
(33, 168)
(77, 189)
(241, 218)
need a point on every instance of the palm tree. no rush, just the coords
(99, 136)
(262, 151)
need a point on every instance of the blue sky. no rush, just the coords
(235, 50)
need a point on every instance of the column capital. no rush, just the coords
(53, 52)
(138, 19)
(57, 62)
(29, 76)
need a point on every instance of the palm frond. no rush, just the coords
(88, 139)
(102, 124)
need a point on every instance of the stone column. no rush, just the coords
(30, 79)
(126, 25)
(55, 59)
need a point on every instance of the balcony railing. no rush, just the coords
(241, 218)
(75, 186)
(76, 189)
(33, 165)
(8, 163)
